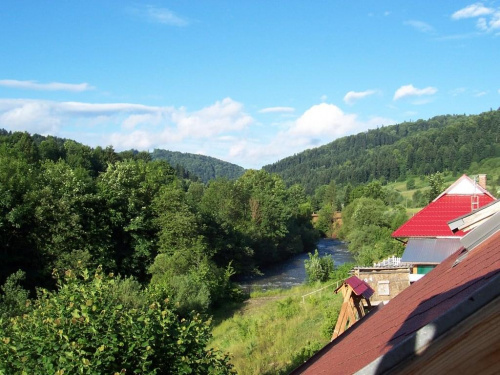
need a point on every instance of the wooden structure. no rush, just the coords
(355, 292)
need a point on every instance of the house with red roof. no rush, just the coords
(448, 322)
(429, 238)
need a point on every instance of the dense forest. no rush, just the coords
(73, 217)
(442, 143)
(204, 167)
(63, 202)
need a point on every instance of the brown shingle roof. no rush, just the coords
(425, 302)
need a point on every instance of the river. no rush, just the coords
(292, 272)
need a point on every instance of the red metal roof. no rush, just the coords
(417, 306)
(432, 220)
(360, 287)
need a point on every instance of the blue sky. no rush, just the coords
(247, 81)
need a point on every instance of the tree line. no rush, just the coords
(442, 143)
(64, 203)
(205, 167)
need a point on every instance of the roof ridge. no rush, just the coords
(457, 182)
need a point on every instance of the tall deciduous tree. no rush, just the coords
(184, 267)
(129, 188)
(17, 180)
(68, 222)
(269, 213)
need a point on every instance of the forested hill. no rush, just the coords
(205, 167)
(450, 142)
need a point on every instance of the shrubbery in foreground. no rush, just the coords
(99, 324)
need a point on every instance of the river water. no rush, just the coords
(292, 271)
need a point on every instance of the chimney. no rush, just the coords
(482, 180)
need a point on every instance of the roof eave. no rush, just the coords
(474, 218)
(422, 338)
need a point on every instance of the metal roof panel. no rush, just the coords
(430, 250)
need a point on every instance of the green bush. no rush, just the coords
(197, 286)
(288, 308)
(342, 272)
(14, 300)
(410, 184)
(318, 268)
(302, 355)
(329, 322)
(89, 327)
(420, 198)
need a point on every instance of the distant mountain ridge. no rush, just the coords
(449, 142)
(205, 167)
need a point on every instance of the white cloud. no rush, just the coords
(47, 117)
(479, 94)
(140, 126)
(410, 90)
(159, 15)
(420, 26)
(353, 96)
(173, 128)
(494, 23)
(277, 110)
(94, 109)
(323, 120)
(317, 126)
(34, 116)
(53, 86)
(491, 24)
(224, 116)
(482, 24)
(489, 18)
(133, 121)
(471, 11)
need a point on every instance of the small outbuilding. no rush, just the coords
(356, 303)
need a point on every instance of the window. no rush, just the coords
(383, 288)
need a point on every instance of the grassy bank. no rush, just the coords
(272, 333)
